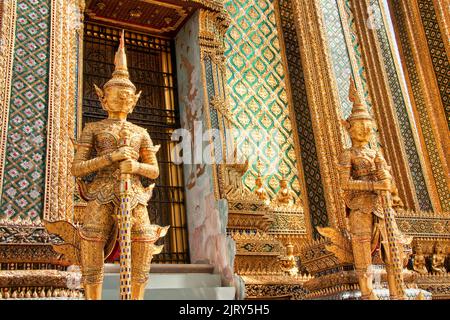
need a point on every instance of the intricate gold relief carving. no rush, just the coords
(424, 224)
(282, 288)
(438, 259)
(323, 101)
(257, 253)
(317, 259)
(340, 245)
(233, 188)
(285, 196)
(66, 24)
(15, 284)
(260, 191)
(419, 263)
(289, 263)
(437, 284)
(25, 244)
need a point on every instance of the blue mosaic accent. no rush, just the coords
(310, 160)
(439, 56)
(257, 93)
(402, 116)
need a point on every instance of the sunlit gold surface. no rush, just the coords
(113, 162)
(366, 181)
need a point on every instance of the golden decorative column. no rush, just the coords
(64, 83)
(422, 34)
(388, 100)
(323, 101)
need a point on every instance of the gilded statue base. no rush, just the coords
(30, 268)
(40, 284)
(334, 280)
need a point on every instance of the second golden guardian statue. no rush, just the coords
(116, 210)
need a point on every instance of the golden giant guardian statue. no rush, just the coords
(116, 210)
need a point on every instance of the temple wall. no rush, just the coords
(259, 99)
(302, 117)
(39, 61)
(207, 215)
(257, 93)
(24, 110)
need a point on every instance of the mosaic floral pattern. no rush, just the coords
(402, 116)
(23, 185)
(257, 93)
(437, 51)
(309, 156)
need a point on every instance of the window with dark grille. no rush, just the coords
(151, 67)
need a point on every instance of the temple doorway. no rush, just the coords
(151, 66)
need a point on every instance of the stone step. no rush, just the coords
(172, 281)
(213, 293)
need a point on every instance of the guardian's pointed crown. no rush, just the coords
(120, 76)
(359, 109)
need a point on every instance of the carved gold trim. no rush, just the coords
(59, 183)
(408, 102)
(179, 9)
(297, 148)
(8, 27)
(212, 28)
(383, 104)
(323, 102)
(433, 116)
(443, 18)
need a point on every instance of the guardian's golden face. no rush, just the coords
(361, 130)
(120, 99)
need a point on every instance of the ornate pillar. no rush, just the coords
(422, 33)
(390, 103)
(312, 78)
(63, 107)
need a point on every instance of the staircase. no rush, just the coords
(173, 282)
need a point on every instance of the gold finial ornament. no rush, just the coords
(116, 210)
(120, 76)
